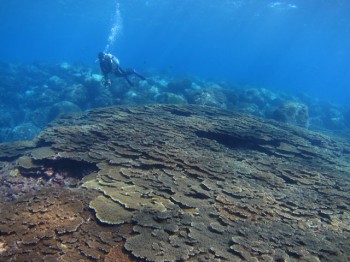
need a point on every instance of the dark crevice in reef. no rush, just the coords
(77, 169)
(233, 142)
(43, 143)
(11, 151)
(288, 180)
(9, 158)
(180, 113)
(71, 168)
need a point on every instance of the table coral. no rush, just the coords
(173, 183)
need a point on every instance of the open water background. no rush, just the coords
(294, 46)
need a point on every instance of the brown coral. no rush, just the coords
(191, 183)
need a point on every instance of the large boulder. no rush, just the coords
(25, 131)
(5, 119)
(171, 98)
(77, 94)
(62, 108)
(347, 118)
(179, 86)
(293, 113)
(333, 119)
(207, 97)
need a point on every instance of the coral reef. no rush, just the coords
(45, 90)
(178, 183)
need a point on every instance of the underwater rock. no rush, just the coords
(56, 83)
(5, 134)
(260, 101)
(179, 183)
(76, 94)
(247, 108)
(92, 83)
(25, 131)
(207, 97)
(5, 119)
(292, 113)
(38, 116)
(254, 96)
(41, 96)
(231, 97)
(347, 118)
(62, 108)
(171, 98)
(39, 86)
(118, 91)
(102, 98)
(179, 86)
(333, 119)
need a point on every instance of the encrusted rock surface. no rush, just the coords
(192, 183)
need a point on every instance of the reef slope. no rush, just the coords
(172, 183)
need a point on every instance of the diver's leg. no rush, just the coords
(138, 75)
(128, 80)
(131, 71)
(119, 72)
(125, 73)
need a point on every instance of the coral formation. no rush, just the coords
(45, 90)
(54, 225)
(292, 113)
(174, 183)
(63, 107)
(107, 211)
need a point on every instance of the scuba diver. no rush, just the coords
(110, 64)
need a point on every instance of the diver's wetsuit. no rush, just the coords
(110, 64)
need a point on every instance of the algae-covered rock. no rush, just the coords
(171, 98)
(293, 113)
(25, 131)
(62, 108)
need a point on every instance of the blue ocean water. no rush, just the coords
(288, 45)
(300, 48)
